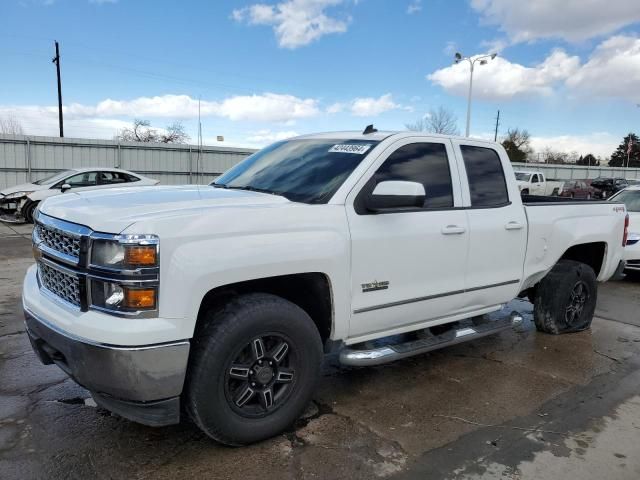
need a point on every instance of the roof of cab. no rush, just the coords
(383, 134)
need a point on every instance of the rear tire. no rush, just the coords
(243, 385)
(566, 298)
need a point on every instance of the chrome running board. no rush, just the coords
(388, 353)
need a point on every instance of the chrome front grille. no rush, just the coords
(59, 241)
(61, 284)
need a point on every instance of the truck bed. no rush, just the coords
(556, 223)
(537, 200)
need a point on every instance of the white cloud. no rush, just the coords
(414, 7)
(43, 120)
(265, 137)
(600, 144)
(295, 22)
(502, 79)
(613, 70)
(370, 106)
(268, 107)
(572, 20)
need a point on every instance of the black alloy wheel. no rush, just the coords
(260, 377)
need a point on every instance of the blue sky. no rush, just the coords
(568, 71)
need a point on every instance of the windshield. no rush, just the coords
(308, 171)
(523, 176)
(631, 199)
(54, 178)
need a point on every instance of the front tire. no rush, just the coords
(29, 210)
(566, 298)
(253, 369)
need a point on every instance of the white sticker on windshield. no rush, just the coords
(350, 148)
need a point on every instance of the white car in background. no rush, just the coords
(18, 203)
(630, 196)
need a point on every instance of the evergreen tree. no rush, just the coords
(619, 157)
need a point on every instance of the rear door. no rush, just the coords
(408, 266)
(497, 225)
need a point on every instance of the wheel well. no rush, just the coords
(310, 291)
(591, 254)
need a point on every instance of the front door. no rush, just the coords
(408, 266)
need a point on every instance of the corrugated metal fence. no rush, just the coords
(28, 158)
(579, 172)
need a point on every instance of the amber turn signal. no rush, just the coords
(140, 255)
(140, 298)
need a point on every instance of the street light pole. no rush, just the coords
(469, 101)
(472, 62)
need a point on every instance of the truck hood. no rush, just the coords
(115, 209)
(24, 187)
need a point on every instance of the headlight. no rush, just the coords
(122, 298)
(18, 194)
(126, 252)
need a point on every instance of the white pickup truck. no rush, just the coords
(535, 183)
(221, 300)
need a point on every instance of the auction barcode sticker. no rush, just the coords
(350, 148)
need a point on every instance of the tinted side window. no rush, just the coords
(535, 179)
(425, 163)
(486, 178)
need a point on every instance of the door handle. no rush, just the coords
(453, 230)
(514, 226)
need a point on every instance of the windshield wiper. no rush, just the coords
(253, 189)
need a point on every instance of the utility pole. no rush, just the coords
(495, 135)
(56, 60)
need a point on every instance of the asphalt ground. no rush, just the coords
(517, 405)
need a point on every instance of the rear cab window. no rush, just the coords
(487, 182)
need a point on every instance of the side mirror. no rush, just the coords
(396, 194)
(65, 187)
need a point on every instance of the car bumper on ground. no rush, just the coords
(141, 383)
(631, 254)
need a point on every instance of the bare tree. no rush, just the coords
(517, 143)
(11, 126)
(141, 131)
(553, 156)
(174, 134)
(442, 121)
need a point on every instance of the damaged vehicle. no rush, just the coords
(219, 302)
(17, 204)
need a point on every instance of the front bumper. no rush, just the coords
(141, 383)
(11, 210)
